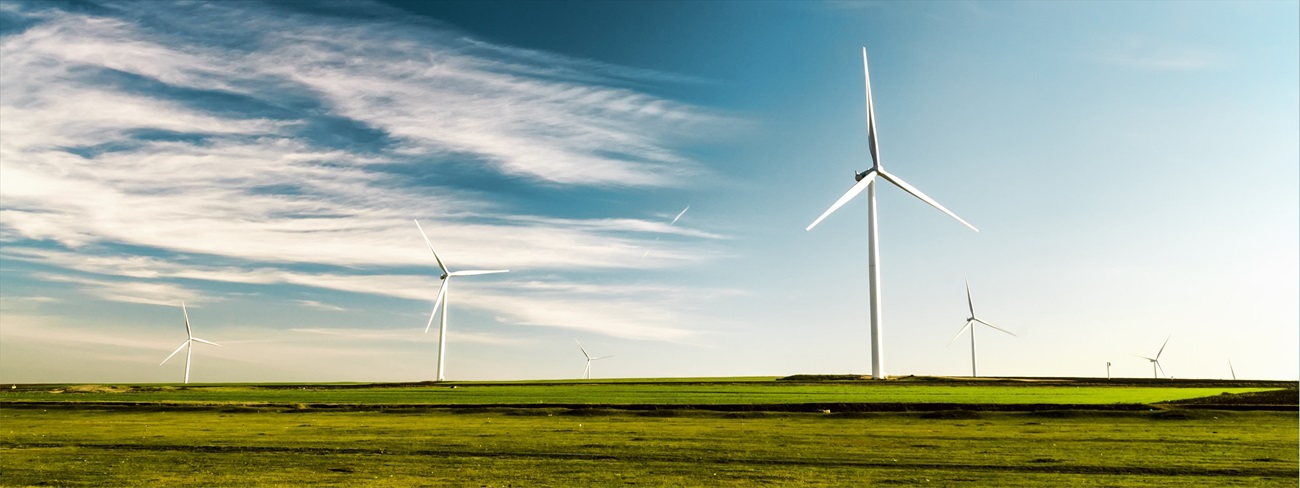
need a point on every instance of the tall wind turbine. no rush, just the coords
(442, 296)
(867, 181)
(188, 345)
(586, 374)
(969, 325)
(1155, 361)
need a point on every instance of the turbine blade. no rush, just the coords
(187, 320)
(435, 251)
(1162, 346)
(196, 339)
(853, 192)
(679, 215)
(963, 329)
(442, 292)
(602, 357)
(1161, 368)
(918, 194)
(871, 115)
(479, 272)
(969, 302)
(1234, 372)
(183, 344)
(995, 327)
(1146, 358)
(584, 350)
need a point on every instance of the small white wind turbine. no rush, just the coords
(867, 181)
(586, 374)
(442, 297)
(970, 325)
(188, 345)
(1155, 361)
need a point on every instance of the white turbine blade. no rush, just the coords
(969, 302)
(1161, 368)
(853, 192)
(1234, 372)
(187, 320)
(1146, 358)
(963, 329)
(918, 194)
(1162, 347)
(679, 215)
(602, 357)
(442, 293)
(995, 327)
(183, 344)
(871, 116)
(584, 350)
(479, 272)
(196, 339)
(430, 243)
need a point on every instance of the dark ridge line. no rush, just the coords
(1049, 467)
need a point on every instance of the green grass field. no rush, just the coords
(769, 392)
(293, 435)
(532, 447)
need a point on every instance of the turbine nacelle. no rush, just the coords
(859, 176)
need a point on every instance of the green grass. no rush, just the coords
(752, 392)
(89, 446)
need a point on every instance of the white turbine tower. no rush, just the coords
(442, 296)
(1155, 361)
(867, 181)
(188, 345)
(970, 325)
(586, 374)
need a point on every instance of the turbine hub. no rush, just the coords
(443, 277)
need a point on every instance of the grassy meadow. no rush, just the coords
(624, 393)
(562, 447)
(586, 434)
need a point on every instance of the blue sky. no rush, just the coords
(1132, 168)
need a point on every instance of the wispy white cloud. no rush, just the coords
(235, 145)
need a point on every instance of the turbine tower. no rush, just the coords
(442, 296)
(867, 181)
(1155, 361)
(188, 345)
(970, 321)
(586, 374)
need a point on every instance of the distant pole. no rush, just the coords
(1107, 370)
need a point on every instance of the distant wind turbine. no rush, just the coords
(866, 181)
(586, 374)
(1155, 361)
(188, 345)
(675, 219)
(442, 296)
(969, 325)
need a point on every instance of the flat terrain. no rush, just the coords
(595, 434)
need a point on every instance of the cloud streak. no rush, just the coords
(147, 149)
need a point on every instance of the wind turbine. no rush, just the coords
(188, 345)
(586, 374)
(969, 325)
(1155, 361)
(867, 181)
(442, 296)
